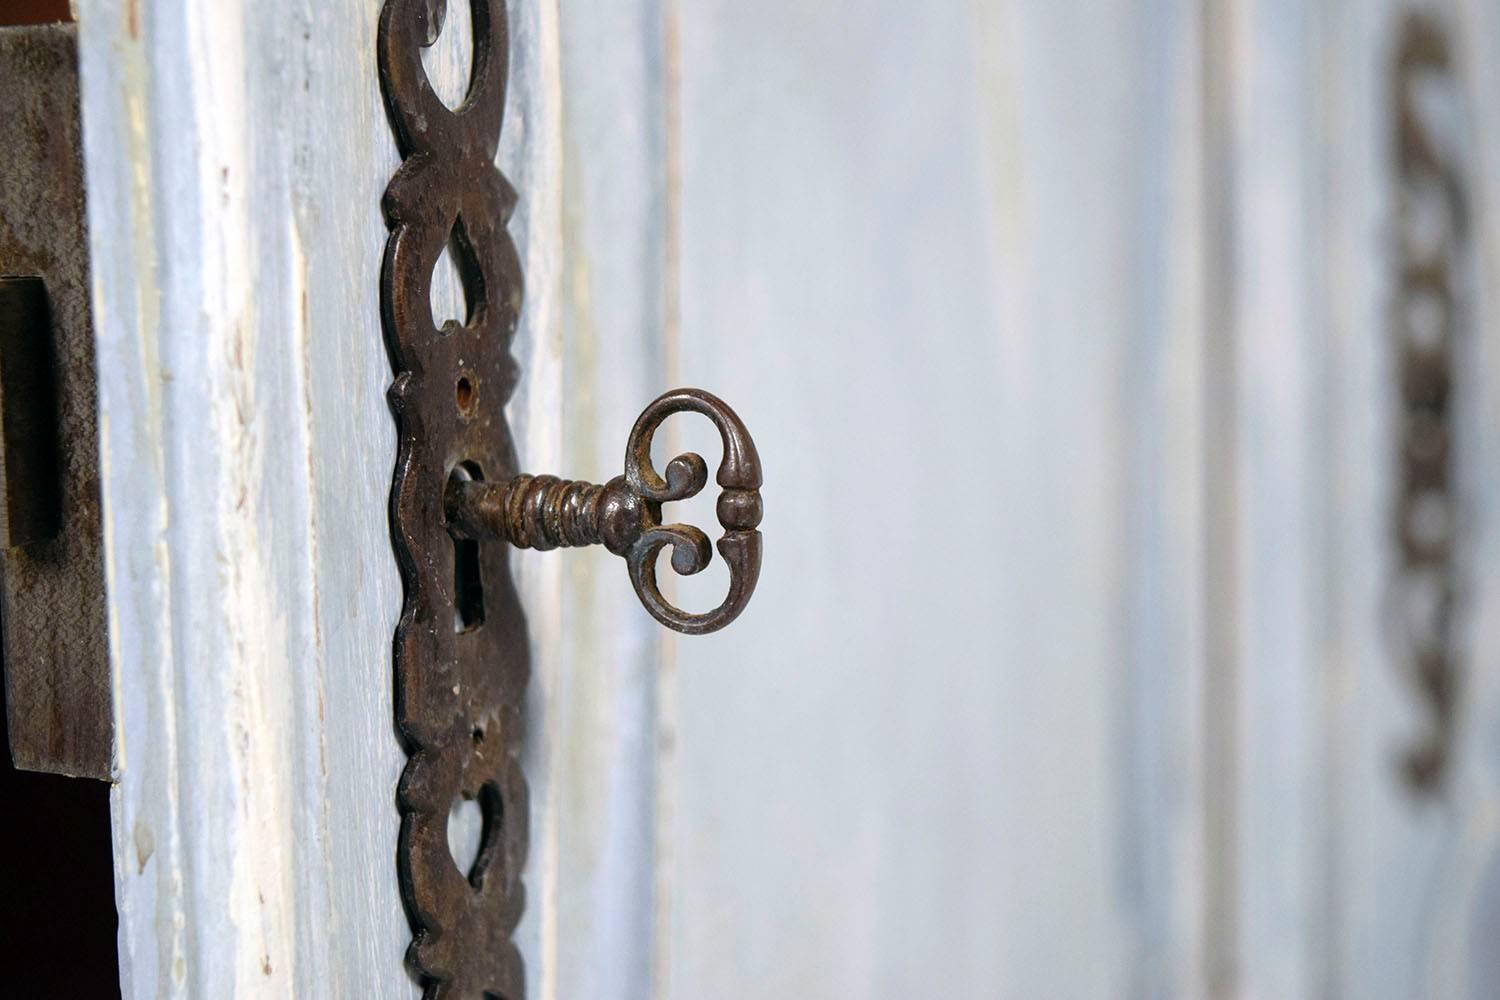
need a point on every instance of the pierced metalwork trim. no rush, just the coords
(461, 658)
(1427, 327)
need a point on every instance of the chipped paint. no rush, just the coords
(145, 845)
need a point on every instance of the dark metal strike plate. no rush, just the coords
(52, 610)
(459, 502)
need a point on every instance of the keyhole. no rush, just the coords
(468, 583)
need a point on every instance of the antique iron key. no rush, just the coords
(624, 515)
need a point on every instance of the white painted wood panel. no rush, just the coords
(1065, 329)
(1279, 600)
(945, 263)
(236, 155)
(594, 360)
(1352, 883)
(247, 453)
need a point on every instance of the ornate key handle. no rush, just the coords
(624, 515)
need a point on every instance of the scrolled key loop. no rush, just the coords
(624, 515)
(739, 511)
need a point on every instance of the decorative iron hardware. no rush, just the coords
(1427, 329)
(461, 658)
(460, 670)
(624, 515)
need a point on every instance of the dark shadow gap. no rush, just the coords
(57, 892)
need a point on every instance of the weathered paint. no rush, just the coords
(236, 155)
(1117, 269)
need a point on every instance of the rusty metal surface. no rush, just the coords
(625, 515)
(461, 657)
(53, 614)
(1428, 323)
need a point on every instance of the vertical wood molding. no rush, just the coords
(961, 766)
(235, 159)
(598, 661)
(1219, 728)
(1276, 590)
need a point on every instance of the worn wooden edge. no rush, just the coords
(57, 676)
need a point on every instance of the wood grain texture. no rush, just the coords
(236, 157)
(943, 265)
(56, 667)
(1277, 585)
(581, 147)
(594, 361)
(1140, 735)
(1351, 885)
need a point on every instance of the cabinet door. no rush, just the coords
(1068, 333)
(1090, 659)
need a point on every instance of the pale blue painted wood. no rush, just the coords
(1060, 327)
(593, 359)
(923, 252)
(236, 157)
